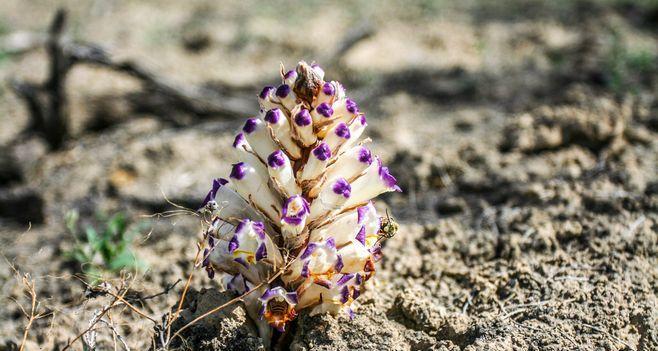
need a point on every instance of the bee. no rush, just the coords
(388, 227)
(278, 307)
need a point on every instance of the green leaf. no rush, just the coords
(92, 237)
(78, 255)
(71, 221)
(117, 225)
(124, 259)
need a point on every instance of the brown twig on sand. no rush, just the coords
(354, 35)
(47, 101)
(166, 291)
(30, 288)
(93, 323)
(29, 285)
(116, 333)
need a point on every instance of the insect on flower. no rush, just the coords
(389, 227)
(297, 204)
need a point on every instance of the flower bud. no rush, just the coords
(303, 126)
(330, 199)
(327, 94)
(349, 165)
(375, 180)
(253, 188)
(337, 136)
(290, 77)
(293, 221)
(266, 99)
(242, 151)
(280, 126)
(357, 126)
(316, 265)
(323, 114)
(348, 226)
(286, 96)
(318, 70)
(259, 138)
(226, 204)
(281, 173)
(317, 162)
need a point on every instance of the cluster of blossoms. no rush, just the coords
(294, 219)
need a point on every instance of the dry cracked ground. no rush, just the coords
(524, 135)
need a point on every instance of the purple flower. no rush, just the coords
(283, 90)
(250, 125)
(295, 210)
(238, 171)
(388, 179)
(272, 116)
(261, 252)
(339, 264)
(266, 92)
(216, 184)
(322, 152)
(351, 106)
(361, 235)
(342, 187)
(276, 159)
(364, 155)
(325, 110)
(239, 140)
(277, 307)
(308, 251)
(342, 130)
(328, 89)
(289, 74)
(303, 118)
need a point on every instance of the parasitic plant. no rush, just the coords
(297, 206)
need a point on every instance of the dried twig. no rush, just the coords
(115, 332)
(29, 285)
(166, 291)
(47, 102)
(30, 289)
(98, 316)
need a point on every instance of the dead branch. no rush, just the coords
(98, 316)
(33, 315)
(47, 103)
(354, 35)
(165, 291)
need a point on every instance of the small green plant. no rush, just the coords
(628, 69)
(106, 250)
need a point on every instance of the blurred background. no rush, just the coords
(523, 133)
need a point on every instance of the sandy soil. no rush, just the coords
(524, 135)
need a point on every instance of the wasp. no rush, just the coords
(388, 227)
